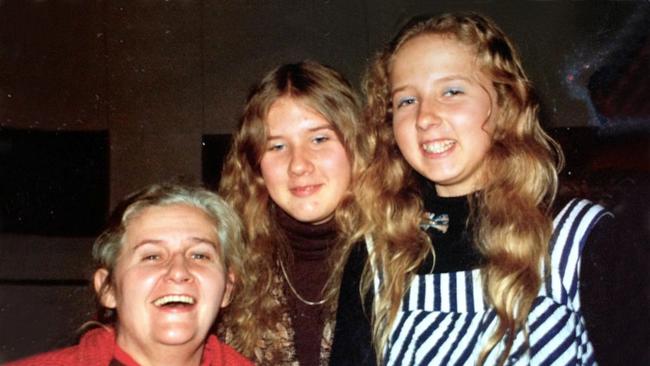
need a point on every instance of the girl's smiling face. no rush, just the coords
(305, 166)
(443, 110)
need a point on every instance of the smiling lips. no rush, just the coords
(304, 191)
(438, 147)
(174, 300)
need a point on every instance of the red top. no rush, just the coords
(98, 348)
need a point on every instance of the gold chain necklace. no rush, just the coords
(286, 278)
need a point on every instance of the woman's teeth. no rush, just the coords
(438, 147)
(173, 298)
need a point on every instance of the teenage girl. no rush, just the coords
(498, 278)
(298, 150)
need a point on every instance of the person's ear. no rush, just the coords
(230, 285)
(106, 295)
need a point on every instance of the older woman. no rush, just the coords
(165, 266)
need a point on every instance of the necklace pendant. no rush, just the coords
(439, 222)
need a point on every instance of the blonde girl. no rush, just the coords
(467, 264)
(299, 149)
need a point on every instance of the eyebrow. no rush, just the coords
(319, 127)
(194, 239)
(442, 79)
(397, 90)
(200, 240)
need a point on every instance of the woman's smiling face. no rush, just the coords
(443, 109)
(169, 280)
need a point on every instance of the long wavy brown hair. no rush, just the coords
(510, 214)
(254, 313)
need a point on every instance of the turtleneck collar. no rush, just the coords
(306, 240)
(455, 250)
(434, 203)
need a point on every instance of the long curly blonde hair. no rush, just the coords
(510, 214)
(254, 313)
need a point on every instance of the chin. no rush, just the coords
(439, 176)
(306, 215)
(314, 219)
(178, 337)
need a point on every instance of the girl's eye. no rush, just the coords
(320, 139)
(405, 101)
(450, 92)
(276, 147)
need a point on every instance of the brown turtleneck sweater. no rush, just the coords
(311, 246)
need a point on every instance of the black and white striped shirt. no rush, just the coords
(444, 319)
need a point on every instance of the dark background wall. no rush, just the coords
(134, 92)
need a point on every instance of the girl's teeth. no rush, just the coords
(438, 147)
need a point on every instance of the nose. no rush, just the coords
(428, 115)
(178, 270)
(301, 161)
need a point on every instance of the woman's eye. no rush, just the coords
(450, 92)
(150, 257)
(405, 101)
(201, 256)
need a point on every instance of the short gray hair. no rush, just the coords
(228, 226)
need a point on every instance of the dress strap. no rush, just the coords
(571, 227)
